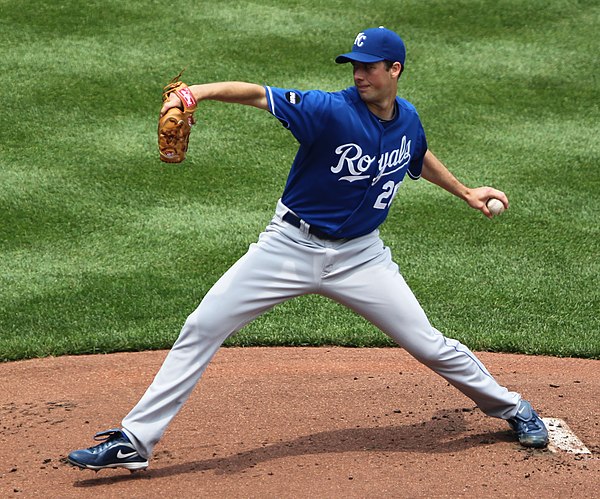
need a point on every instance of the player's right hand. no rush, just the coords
(477, 198)
(172, 101)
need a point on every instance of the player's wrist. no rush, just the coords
(471, 197)
(197, 92)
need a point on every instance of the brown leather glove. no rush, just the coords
(175, 126)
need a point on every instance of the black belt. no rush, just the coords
(292, 219)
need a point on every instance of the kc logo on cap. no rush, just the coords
(374, 45)
(360, 39)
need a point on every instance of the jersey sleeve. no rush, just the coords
(304, 114)
(416, 165)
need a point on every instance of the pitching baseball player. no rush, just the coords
(356, 147)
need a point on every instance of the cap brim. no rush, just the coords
(358, 57)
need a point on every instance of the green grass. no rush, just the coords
(103, 248)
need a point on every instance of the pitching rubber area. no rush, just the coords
(562, 437)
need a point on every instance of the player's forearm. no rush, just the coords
(435, 172)
(236, 92)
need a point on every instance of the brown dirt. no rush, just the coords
(298, 422)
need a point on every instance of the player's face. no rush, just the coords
(374, 82)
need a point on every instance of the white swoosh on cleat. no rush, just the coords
(120, 454)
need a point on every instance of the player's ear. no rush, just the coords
(396, 69)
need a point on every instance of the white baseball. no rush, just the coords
(495, 206)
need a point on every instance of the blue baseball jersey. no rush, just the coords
(349, 165)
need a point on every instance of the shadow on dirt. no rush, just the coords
(444, 433)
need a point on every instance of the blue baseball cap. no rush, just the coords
(374, 45)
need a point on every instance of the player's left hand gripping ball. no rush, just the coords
(175, 126)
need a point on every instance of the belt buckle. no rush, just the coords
(304, 227)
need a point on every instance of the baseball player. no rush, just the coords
(356, 147)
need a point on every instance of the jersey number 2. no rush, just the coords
(387, 196)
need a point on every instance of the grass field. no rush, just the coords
(103, 248)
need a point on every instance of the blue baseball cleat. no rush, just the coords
(115, 451)
(528, 426)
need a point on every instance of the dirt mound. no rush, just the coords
(298, 422)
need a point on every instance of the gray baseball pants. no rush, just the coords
(287, 262)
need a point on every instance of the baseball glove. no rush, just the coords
(175, 126)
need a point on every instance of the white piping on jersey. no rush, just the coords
(271, 100)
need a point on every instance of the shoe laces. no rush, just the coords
(107, 438)
(532, 424)
(527, 425)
